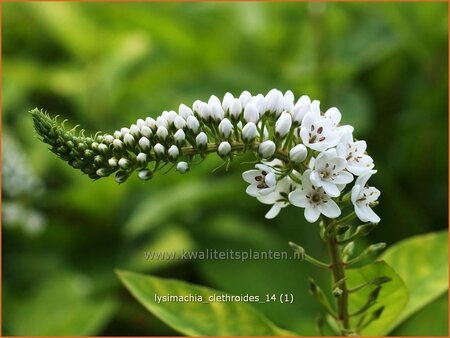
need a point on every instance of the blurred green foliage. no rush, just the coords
(103, 65)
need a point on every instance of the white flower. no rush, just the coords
(274, 101)
(288, 101)
(235, 109)
(173, 152)
(201, 140)
(251, 113)
(358, 162)
(193, 124)
(362, 197)
(179, 122)
(318, 132)
(182, 167)
(225, 128)
(298, 153)
(159, 149)
(162, 133)
(266, 149)
(279, 197)
(216, 110)
(144, 143)
(141, 159)
(245, 98)
(226, 102)
(224, 148)
(329, 171)
(262, 180)
(283, 124)
(184, 111)
(128, 139)
(249, 132)
(179, 136)
(146, 131)
(314, 199)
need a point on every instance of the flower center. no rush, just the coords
(316, 198)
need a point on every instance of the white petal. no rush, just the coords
(253, 190)
(274, 211)
(298, 198)
(331, 189)
(366, 214)
(249, 175)
(356, 191)
(311, 214)
(343, 178)
(330, 209)
(271, 198)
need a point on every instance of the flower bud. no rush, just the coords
(182, 167)
(214, 100)
(179, 122)
(217, 112)
(108, 139)
(224, 149)
(102, 172)
(144, 143)
(201, 140)
(225, 128)
(226, 102)
(141, 159)
(274, 101)
(117, 134)
(179, 136)
(184, 111)
(245, 98)
(124, 131)
(124, 163)
(376, 247)
(117, 144)
(103, 148)
(260, 103)
(251, 113)
(159, 149)
(135, 130)
(298, 153)
(121, 176)
(283, 124)
(140, 123)
(162, 133)
(128, 139)
(145, 174)
(288, 101)
(112, 162)
(146, 131)
(249, 132)
(204, 111)
(235, 109)
(173, 152)
(98, 160)
(300, 109)
(151, 123)
(266, 149)
(171, 116)
(193, 124)
(161, 122)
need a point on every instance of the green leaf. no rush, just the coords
(422, 262)
(393, 296)
(200, 318)
(426, 321)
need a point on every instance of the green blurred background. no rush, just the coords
(104, 65)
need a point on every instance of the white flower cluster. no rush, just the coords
(307, 157)
(331, 160)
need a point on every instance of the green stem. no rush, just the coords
(337, 266)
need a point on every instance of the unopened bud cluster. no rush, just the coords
(307, 156)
